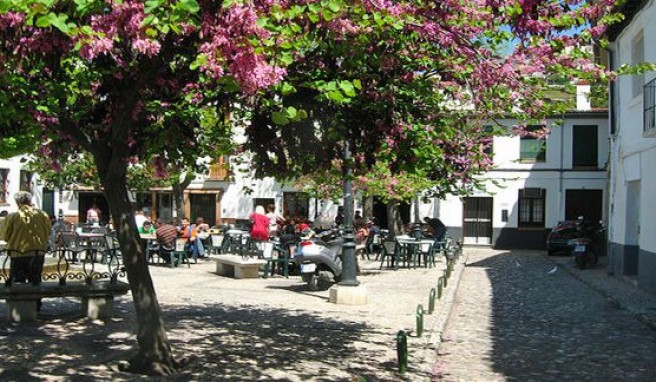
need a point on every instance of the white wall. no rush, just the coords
(634, 155)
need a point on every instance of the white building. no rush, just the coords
(534, 184)
(14, 178)
(632, 250)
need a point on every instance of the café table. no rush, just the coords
(413, 250)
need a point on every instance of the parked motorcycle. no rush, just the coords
(320, 258)
(586, 247)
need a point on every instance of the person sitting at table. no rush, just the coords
(199, 231)
(165, 235)
(147, 228)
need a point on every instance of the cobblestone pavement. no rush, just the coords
(239, 330)
(518, 316)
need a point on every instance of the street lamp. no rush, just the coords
(349, 271)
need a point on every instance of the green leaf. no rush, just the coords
(291, 112)
(279, 118)
(334, 6)
(328, 15)
(287, 89)
(335, 96)
(200, 60)
(357, 84)
(190, 5)
(347, 88)
(43, 21)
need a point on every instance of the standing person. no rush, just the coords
(437, 228)
(259, 224)
(93, 214)
(274, 220)
(3, 217)
(27, 233)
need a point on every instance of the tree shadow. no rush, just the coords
(226, 343)
(547, 325)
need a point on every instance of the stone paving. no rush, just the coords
(521, 316)
(270, 329)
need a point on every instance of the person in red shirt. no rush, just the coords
(259, 224)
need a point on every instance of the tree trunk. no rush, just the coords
(178, 186)
(155, 356)
(394, 221)
(367, 207)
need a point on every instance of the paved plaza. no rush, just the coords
(270, 329)
(519, 317)
(516, 316)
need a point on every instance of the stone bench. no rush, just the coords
(238, 267)
(97, 298)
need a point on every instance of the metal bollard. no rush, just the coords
(431, 301)
(446, 279)
(440, 286)
(448, 270)
(420, 320)
(402, 351)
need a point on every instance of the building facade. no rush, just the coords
(632, 202)
(535, 183)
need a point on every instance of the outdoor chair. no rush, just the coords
(68, 246)
(276, 257)
(111, 252)
(391, 253)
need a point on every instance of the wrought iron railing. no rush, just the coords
(86, 265)
(649, 94)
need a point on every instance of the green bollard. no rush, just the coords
(446, 279)
(431, 301)
(440, 286)
(402, 351)
(448, 270)
(420, 320)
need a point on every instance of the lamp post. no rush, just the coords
(349, 271)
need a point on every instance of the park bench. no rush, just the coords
(94, 283)
(239, 267)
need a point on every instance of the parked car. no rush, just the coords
(560, 235)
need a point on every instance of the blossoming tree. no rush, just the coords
(414, 87)
(126, 81)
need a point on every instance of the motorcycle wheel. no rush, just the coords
(313, 282)
(320, 280)
(580, 261)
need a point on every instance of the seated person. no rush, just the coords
(166, 235)
(147, 228)
(199, 232)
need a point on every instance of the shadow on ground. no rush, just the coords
(225, 343)
(547, 325)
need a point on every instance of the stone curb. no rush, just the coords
(443, 312)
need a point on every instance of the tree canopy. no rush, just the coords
(131, 81)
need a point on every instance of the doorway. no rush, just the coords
(477, 225)
(204, 206)
(586, 203)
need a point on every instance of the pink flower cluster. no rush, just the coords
(122, 23)
(11, 20)
(228, 45)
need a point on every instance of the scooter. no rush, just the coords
(586, 247)
(320, 259)
(584, 254)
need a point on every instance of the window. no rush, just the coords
(26, 181)
(531, 207)
(3, 185)
(532, 149)
(637, 57)
(649, 103)
(584, 146)
(220, 169)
